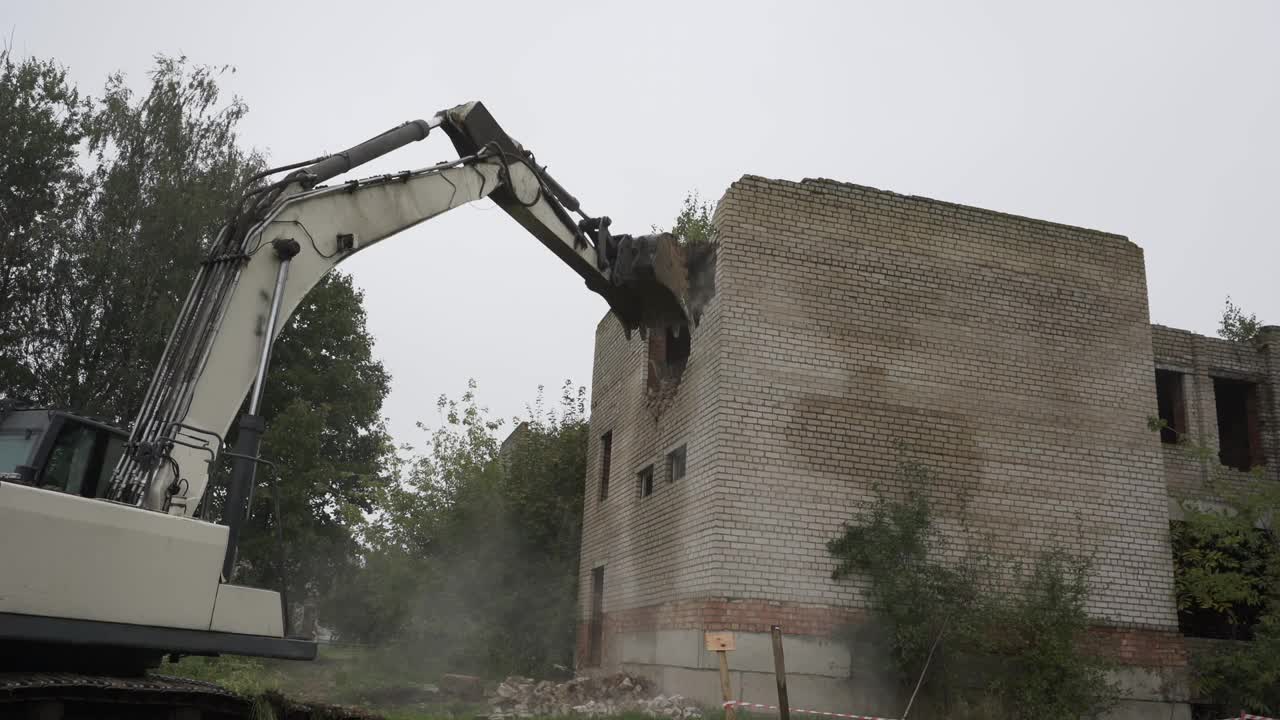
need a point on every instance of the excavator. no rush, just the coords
(111, 557)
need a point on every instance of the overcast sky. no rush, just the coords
(1156, 120)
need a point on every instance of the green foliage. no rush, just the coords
(161, 171)
(1245, 675)
(42, 125)
(693, 224)
(1003, 638)
(375, 600)
(1037, 633)
(1227, 561)
(1219, 565)
(325, 430)
(474, 558)
(1237, 326)
(1225, 558)
(243, 675)
(896, 546)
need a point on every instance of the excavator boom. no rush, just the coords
(135, 563)
(296, 230)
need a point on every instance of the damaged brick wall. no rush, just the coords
(1013, 356)
(658, 548)
(1199, 360)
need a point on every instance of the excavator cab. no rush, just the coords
(55, 450)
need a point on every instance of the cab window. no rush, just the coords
(115, 448)
(15, 449)
(70, 459)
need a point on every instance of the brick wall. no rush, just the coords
(1200, 359)
(1012, 356)
(737, 615)
(659, 548)
(1143, 648)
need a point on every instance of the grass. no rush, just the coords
(242, 675)
(372, 680)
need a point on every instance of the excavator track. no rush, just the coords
(72, 696)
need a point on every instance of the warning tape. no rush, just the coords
(758, 706)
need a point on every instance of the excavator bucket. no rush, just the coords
(662, 281)
(650, 281)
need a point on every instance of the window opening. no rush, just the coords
(676, 464)
(646, 481)
(1239, 433)
(606, 459)
(595, 633)
(1171, 405)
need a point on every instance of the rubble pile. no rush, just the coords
(519, 697)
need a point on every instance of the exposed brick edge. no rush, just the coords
(1141, 647)
(739, 615)
(1126, 646)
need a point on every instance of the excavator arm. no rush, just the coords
(289, 234)
(149, 573)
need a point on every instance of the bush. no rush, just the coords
(1004, 638)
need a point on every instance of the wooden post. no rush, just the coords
(726, 688)
(721, 643)
(780, 668)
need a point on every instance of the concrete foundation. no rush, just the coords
(822, 674)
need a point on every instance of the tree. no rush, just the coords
(512, 509)
(693, 224)
(544, 470)
(42, 125)
(163, 172)
(1227, 566)
(97, 260)
(1237, 326)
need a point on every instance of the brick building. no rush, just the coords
(1014, 357)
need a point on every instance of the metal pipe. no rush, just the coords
(570, 202)
(265, 358)
(249, 436)
(374, 147)
(244, 463)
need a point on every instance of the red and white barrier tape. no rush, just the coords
(758, 706)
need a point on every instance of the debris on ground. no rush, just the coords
(520, 697)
